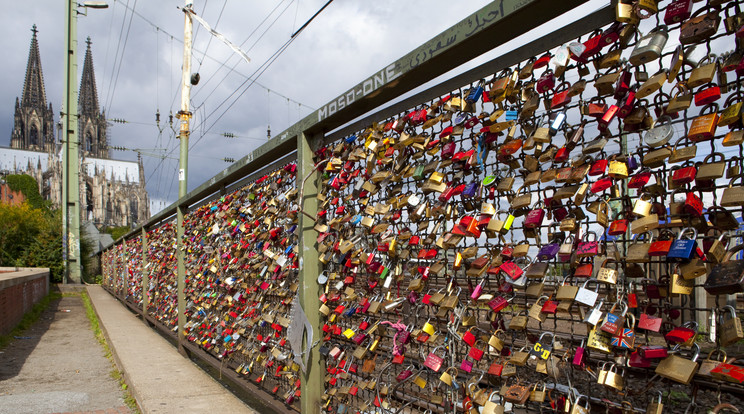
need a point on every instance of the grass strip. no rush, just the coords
(115, 373)
(29, 318)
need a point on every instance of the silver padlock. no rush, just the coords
(661, 132)
(650, 46)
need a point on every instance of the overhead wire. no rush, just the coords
(112, 89)
(232, 70)
(150, 22)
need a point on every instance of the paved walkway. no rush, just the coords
(161, 380)
(58, 366)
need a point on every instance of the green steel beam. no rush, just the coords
(312, 380)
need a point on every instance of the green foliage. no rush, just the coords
(45, 249)
(117, 232)
(28, 186)
(19, 227)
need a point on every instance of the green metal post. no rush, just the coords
(145, 274)
(71, 161)
(183, 169)
(312, 380)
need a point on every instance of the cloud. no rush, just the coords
(346, 43)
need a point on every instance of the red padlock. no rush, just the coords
(684, 174)
(623, 84)
(708, 95)
(546, 82)
(627, 103)
(640, 179)
(682, 333)
(693, 204)
(677, 11)
(601, 185)
(618, 227)
(560, 97)
(653, 351)
(598, 168)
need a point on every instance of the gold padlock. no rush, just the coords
(733, 196)
(731, 329)
(703, 73)
(679, 369)
(613, 379)
(641, 207)
(679, 285)
(624, 13)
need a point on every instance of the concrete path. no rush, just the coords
(58, 366)
(161, 380)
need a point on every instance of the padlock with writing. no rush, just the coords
(731, 329)
(683, 249)
(703, 127)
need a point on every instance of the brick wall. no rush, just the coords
(20, 290)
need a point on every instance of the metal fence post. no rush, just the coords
(145, 274)
(312, 380)
(181, 275)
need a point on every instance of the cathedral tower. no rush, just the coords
(33, 127)
(92, 123)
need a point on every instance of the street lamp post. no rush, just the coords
(70, 145)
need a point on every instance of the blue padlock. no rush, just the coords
(683, 248)
(470, 190)
(475, 93)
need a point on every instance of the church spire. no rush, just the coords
(33, 88)
(33, 123)
(91, 121)
(88, 93)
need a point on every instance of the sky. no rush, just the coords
(137, 59)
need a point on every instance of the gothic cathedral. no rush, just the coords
(112, 192)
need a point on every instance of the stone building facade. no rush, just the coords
(112, 192)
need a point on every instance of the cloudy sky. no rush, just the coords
(137, 58)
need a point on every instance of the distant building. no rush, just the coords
(10, 197)
(112, 192)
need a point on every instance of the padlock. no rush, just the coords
(684, 174)
(586, 296)
(679, 285)
(613, 323)
(657, 407)
(660, 133)
(698, 28)
(577, 408)
(710, 169)
(733, 112)
(542, 348)
(614, 379)
(607, 274)
(704, 72)
(703, 127)
(707, 95)
(495, 341)
(733, 196)
(682, 154)
(683, 249)
(599, 341)
(731, 329)
(677, 11)
(650, 46)
(717, 250)
(433, 361)
(642, 206)
(682, 334)
(594, 315)
(679, 369)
